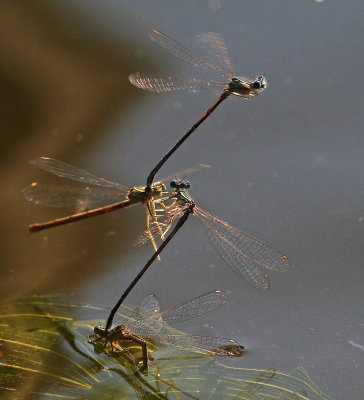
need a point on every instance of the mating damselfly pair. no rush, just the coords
(247, 256)
(167, 208)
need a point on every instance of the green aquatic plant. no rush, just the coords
(45, 354)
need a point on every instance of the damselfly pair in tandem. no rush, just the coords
(247, 256)
(96, 196)
(215, 47)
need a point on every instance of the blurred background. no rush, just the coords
(287, 166)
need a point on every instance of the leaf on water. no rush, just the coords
(45, 353)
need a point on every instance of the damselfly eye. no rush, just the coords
(263, 82)
(257, 85)
(186, 184)
(173, 184)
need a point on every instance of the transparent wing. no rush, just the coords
(194, 307)
(214, 45)
(170, 83)
(244, 254)
(254, 248)
(185, 172)
(306, 386)
(161, 226)
(182, 53)
(146, 320)
(72, 196)
(64, 170)
(145, 309)
(158, 229)
(214, 346)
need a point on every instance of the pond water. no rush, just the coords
(287, 166)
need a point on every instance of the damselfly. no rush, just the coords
(96, 195)
(147, 322)
(233, 84)
(246, 255)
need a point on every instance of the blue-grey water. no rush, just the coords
(287, 167)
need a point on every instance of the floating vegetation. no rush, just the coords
(45, 354)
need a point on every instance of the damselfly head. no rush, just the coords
(174, 183)
(260, 83)
(179, 184)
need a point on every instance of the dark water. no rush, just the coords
(287, 166)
